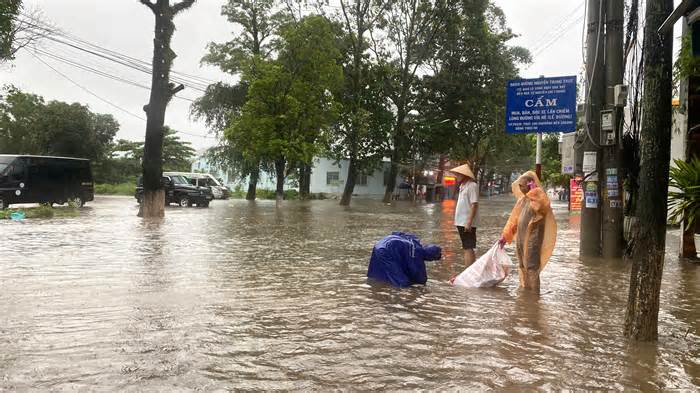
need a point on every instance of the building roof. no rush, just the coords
(684, 8)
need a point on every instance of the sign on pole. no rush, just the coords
(541, 105)
(567, 153)
(576, 194)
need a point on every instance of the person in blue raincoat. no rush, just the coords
(399, 259)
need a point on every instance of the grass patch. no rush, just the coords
(115, 189)
(261, 193)
(42, 211)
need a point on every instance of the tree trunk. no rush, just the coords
(161, 92)
(441, 169)
(279, 171)
(304, 181)
(391, 181)
(350, 183)
(641, 321)
(395, 157)
(253, 184)
(688, 241)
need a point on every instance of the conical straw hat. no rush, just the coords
(464, 170)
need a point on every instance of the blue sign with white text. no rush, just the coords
(541, 105)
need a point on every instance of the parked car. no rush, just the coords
(204, 180)
(179, 190)
(43, 179)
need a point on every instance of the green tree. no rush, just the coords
(258, 21)
(19, 115)
(19, 28)
(551, 161)
(365, 119)
(412, 27)
(123, 161)
(8, 14)
(28, 125)
(465, 95)
(177, 154)
(290, 100)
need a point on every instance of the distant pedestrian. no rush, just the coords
(532, 221)
(467, 211)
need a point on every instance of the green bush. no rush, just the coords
(684, 200)
(42, 211)
(261, 193)
(291, 194)
(115, 189)
(237, 193)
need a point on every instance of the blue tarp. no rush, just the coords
(399, 259)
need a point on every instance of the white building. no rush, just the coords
(327, 177)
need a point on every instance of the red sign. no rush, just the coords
(576, 195)
(449, 180)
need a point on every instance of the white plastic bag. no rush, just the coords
(487, 271)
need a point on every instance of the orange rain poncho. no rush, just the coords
(532, 221)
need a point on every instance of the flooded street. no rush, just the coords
(245, 296)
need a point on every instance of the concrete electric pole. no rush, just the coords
(615, 96)
(590, 151)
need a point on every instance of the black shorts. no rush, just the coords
(468, 238)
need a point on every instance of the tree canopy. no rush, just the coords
(29, 125)
(408, 80)
(290, 99)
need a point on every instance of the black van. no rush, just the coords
(40, 179)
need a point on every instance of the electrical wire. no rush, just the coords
(97, 72)
(583, 31)
(56, 36)
(595, 62)
(86, 89)
(557, 37)
(553, 31)
(103, 99)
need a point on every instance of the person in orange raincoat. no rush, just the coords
(532, 225)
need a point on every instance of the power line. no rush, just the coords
(103, 99)
(553, 31)
(86, 89)
(192, 81)
(104, 74)
(558, 37)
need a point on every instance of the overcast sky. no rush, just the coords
(550, 28)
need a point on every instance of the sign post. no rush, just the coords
(539, 106)
(538, 156)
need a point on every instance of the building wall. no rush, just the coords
(679, 136)
(319, 178)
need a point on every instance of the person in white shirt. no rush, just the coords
(467, 211)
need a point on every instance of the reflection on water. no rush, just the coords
(245, 296)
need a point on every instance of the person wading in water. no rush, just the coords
(467, 211)
(532, 221)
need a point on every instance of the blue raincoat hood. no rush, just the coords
(399, 259)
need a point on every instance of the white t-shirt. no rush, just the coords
(468, 194)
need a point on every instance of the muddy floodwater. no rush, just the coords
(247, 296)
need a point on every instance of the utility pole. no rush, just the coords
(611, 200)
(538, 157)
(595, 92)
(538, 154)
